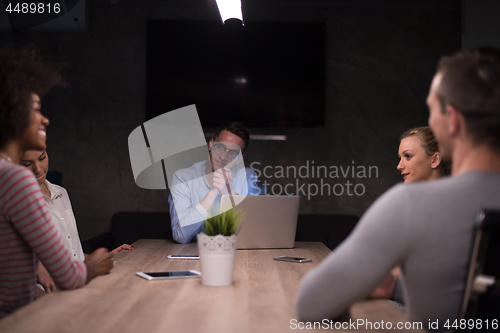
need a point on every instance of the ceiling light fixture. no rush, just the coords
(229, 9)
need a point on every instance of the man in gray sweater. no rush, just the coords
(426, 228)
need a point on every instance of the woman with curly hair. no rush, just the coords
(27, 233)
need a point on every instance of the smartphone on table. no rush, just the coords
(183, 256)
(292, 259)
(168, 275)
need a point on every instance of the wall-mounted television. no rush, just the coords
(260, 74)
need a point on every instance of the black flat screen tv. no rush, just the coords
(261, 74)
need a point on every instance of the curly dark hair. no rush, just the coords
(23, 71)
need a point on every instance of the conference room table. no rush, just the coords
(261, 298)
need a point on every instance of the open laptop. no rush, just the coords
(270, 221)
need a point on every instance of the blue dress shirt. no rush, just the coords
(189, 187)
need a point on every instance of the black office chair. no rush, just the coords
(482, 295)
(329, 229)
(127, 227)
(101, 240)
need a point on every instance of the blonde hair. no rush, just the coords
(429, 144)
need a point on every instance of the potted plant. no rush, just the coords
(217, 247)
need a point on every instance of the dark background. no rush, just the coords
(380, 59)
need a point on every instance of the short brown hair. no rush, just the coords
(237, 129)
(471, 84)
(429, 144)
(22, 72)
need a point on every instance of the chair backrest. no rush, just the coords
(329, 229)
(127, 227)
(482, 294)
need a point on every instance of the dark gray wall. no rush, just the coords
(379, 65)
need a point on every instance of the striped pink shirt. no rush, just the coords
(27, 232)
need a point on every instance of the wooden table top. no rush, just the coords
(262, 298)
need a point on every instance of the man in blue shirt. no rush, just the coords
(196, 191)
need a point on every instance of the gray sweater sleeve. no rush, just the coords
(377, 244)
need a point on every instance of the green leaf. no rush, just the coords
(226, 224)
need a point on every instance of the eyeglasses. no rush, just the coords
(220, 149)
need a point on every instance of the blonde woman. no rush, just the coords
(419, 160)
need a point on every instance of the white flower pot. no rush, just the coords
(217, 259)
